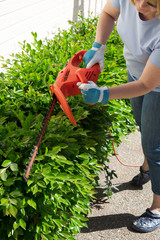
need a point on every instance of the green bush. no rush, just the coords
(55, 201)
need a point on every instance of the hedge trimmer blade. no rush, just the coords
(36, 146)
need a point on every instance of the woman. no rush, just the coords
(138, 25)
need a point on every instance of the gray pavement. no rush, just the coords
(112, 219)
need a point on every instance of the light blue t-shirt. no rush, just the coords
(141, 38)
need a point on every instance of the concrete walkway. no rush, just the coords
(111, 220)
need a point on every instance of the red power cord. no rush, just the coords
(126, 165)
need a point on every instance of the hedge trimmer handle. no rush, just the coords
(66, 82)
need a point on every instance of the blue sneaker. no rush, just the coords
(141, 178)
(147, 222)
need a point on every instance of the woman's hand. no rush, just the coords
(93, 94)
(95, 55)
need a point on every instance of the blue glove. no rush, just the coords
(92, 93)
(95, 55)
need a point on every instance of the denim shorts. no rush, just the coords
(146, 110)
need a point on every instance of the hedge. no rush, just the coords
(54, 203)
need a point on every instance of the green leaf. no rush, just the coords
(55, 150)
(14, 167)
(81, 217)
(65, 234)
(4, 201)
(63, 160)
(39, 158)
(23, 211)
(6, 163)
(2, 191)
(41, 184)
(77, 222)
(13, 201)
(22, 223)
(2, 120)
(32, 203)
(16, 193)
(49, 224)
(34, 189)
(15, 225)
(84, 156)
(59, 223)
(2, 170)
(61, 200)
(9, 181)
(13, 210)
(4, 176)
(29, 182)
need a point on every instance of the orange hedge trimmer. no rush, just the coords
(65, 86)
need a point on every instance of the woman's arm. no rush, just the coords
(149, 80)
(106, 22)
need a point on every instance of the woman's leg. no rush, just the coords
(137, 103)
(145, 166)
(150, 132)
(155, 207)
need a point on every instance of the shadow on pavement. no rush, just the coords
(102, 198)
(126, 186)
(101, 223)
(114, 221)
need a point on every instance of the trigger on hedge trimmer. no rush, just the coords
(65, 86)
